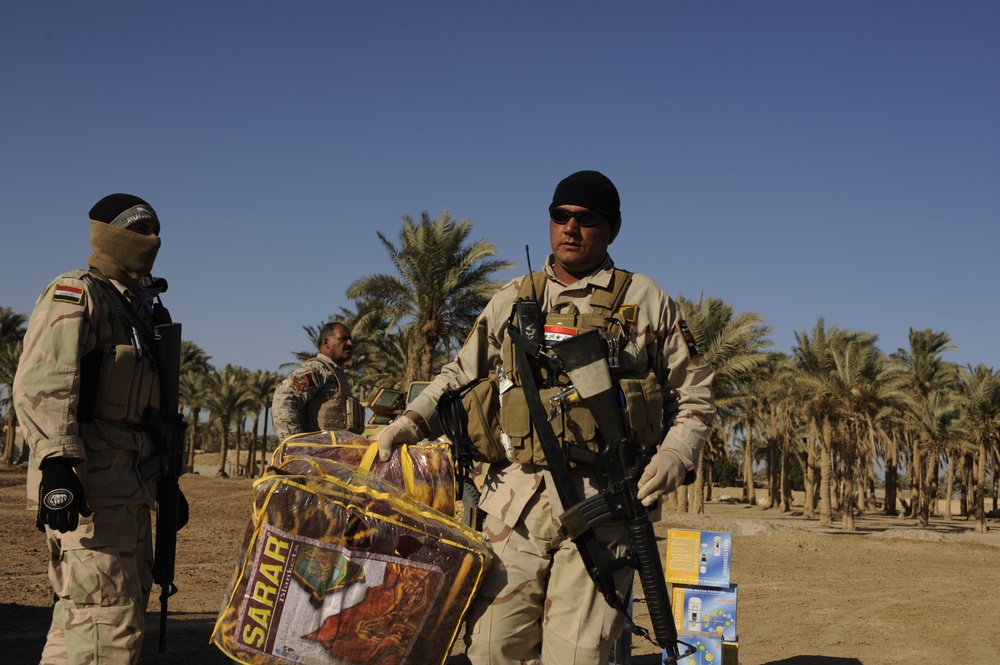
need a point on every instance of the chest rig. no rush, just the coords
(572, 422)
(118, 379)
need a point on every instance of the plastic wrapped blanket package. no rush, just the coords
(426, 470)
(339, 567)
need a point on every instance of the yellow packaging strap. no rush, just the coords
(405, 460)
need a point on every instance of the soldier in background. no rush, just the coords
(317, 396)
(85, 381)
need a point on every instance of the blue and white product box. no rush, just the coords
(707, 649)
(706, 610)
(701, 558)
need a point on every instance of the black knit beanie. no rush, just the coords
(123, 210)
(594, 191)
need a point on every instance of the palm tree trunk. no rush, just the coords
(698, 489)
(682, 499)
(926, 495)
(223, 449)
(749, 495)
(786, 475)
(891, 479)
(252, 452)
(981, 489)
(8, 451)
(826, 475)
(263, 445)
(193, 436)
(809, 510)
(951, 486)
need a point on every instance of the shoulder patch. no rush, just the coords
(303, 381)
(693, 350)
(68, 294)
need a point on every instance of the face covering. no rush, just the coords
(122, 255)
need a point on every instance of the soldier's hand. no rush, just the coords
(61, 499)
(664, 473)
(401, 430)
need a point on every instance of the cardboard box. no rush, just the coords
(707, 649)
(731, 653)
(705, 609)
(698, 558)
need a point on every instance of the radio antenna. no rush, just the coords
(531, 274)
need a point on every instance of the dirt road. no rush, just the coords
(891, 593)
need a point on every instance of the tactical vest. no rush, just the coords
(572, 422)
(340, 410)
(118, 380)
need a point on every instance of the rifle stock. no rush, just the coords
(584, 359)
(170, 450)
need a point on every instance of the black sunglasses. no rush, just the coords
(585, 218)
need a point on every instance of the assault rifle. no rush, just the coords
(169, 435)
(584, 359)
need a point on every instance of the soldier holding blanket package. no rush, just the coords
(538, 600)
(86, 385)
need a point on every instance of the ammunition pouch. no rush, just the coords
(354, 415)
(575, 425)
(120, 384)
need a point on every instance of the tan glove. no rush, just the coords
(664, 473)
(401, 430)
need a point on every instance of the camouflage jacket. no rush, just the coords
(76, 315)
(661, 342)
(316, 396)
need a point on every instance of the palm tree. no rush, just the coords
(980, 404)
(194, 387)
(735, 346)
(12, 329)
(819, 389)
(226, 399)
(441, 286)
(261, 392)
(195, 368)
(929, 373)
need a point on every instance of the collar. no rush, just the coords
(601, 276)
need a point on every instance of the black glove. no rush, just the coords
(61, 499)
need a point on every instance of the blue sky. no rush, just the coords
(799, 159)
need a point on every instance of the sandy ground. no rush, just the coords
(890, 593)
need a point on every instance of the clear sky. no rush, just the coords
(800, 159)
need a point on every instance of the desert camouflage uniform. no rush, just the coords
(538, 600)
(102, 571)
(315, 397)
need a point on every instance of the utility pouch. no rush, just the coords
(482, 407)
(353, 415)
(644, 408)
(115, 383)
(574, 427)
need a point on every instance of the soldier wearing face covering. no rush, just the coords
(85, 381)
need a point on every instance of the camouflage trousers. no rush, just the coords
(537, 603)
(101, 574)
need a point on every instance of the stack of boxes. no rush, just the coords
(703, 596)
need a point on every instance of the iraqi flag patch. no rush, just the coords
(69, 294)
